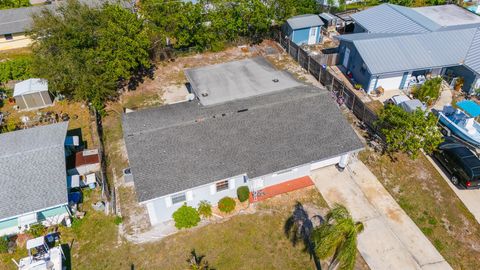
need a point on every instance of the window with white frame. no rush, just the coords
(179, 198)
(222, 185)
(313, 31)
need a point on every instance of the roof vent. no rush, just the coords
(204, 94)
(242, 110)
(275, 80)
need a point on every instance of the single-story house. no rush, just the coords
(32, 94)
(395, 57)
(390, 18)
(189, 151)
(83, 162)
(15, 22)
(33, 178)
(13, 25)
(304, 29)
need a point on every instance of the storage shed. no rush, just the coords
(304, 29)
(32, 94)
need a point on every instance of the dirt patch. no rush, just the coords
(394, 215)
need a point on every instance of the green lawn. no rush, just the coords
(250, 241)
(431, 203)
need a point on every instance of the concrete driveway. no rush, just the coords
(391, 240)
(470, 198)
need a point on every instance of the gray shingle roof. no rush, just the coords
(304, 21)
(16, 20)
(19, 20)
(388, 18)
(175, 147)
(384, 54)
(33, 173)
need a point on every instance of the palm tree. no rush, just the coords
(336, 238)
(196, 262)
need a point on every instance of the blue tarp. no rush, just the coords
(470, 107)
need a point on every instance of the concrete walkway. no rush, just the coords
(470, 198)
(391, 240)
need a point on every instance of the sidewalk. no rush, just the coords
(391, 240)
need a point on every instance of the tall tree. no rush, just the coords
(409, 132)
(336, 238)
(88, 52)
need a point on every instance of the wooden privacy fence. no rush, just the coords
(318, 66)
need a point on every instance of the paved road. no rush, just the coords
(391, 240)
(470, 198)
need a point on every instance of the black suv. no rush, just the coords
(462, 164)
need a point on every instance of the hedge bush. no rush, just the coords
(3, 245)
(16, 69)
(205, 209)
(243, 193)
(37, 230)
(186, 217)
(226, 204)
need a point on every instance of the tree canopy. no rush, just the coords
(5, 4)
(336, 238)
(88, 52)
(409, 132)
(211, 24)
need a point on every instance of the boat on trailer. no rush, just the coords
(41, 256)
(460, 124)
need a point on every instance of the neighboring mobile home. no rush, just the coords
(395, 46)
(33, 177)
(261, 128)
(304, 29)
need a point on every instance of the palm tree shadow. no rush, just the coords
(298, 228)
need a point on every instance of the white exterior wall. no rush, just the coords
(50, 221)
(161, 209)
(390, 83)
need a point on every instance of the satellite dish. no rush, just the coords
(190, 97)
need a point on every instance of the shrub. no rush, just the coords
(3, 245)
(16, 69)
(37, 230)
(429, 91)
(226, 204)
(205, 209)
(186, 217)
(118, 220)
(243, 193)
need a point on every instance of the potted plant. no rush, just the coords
(459, 83)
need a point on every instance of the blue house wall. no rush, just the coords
(468, 76)
(355, 64)
(300, 36)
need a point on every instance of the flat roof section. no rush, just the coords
(230, 81)
(449, 15)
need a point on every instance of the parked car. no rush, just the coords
(460, 162)
(407, 104)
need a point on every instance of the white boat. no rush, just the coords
(41, 257)
(460, 124)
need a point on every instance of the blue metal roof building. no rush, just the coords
(394, 45)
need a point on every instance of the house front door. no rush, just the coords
(346, 56)
(312, 37)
